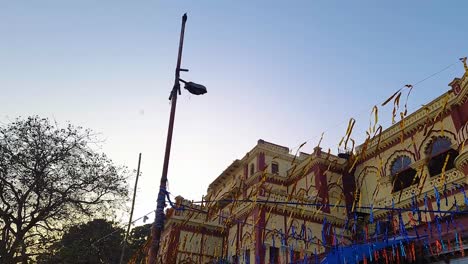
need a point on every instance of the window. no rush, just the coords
(438, 152)
(403, 176)
(252, 169)
(274, 168)
(274, 255)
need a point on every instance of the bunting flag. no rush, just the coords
(437, 196)
(464, 195)
(438, 226)
(455, 204)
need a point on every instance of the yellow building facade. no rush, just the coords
(271, 206)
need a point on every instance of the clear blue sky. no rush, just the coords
(284, 71)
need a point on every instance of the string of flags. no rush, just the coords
(393, 242)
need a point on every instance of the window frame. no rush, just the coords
(275, 165)
(276, 254)
(252, 169)
(436, 159)
(404, 171)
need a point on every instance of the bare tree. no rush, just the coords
(50, 177)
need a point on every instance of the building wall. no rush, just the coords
(244, 229)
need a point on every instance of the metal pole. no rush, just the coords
(158, 224)
(131, 211)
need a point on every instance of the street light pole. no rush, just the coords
(124, 244)
(158, 224)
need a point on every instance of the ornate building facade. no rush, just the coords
(271, 206)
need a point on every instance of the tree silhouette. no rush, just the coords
(50, 178)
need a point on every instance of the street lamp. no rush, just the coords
(193, 88)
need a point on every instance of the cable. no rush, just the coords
(331, 205)
(92, 244)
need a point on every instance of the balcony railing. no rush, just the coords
(404, 196)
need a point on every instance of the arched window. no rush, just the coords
(400, 164)
(438, 152)
(403, 176)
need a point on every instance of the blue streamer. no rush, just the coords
(371, 217)
(439, 228)
(355, 222)
(437, 196)
(426, 247)
(177, 208)
(464, 195)
(291, 257)
(402, 226)
(283, 239)
(377, 229)
(402, 249)
(413, 204)
(323, 231)
(425, 202)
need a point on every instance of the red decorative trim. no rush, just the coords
(322, 187)
(259, 219)
(261, 161)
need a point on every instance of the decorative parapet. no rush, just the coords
(403, 198)
(272, 147)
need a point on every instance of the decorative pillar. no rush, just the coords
(261, 161)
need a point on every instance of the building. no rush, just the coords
(271, 206)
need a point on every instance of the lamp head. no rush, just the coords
(195, 88)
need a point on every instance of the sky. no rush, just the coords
(282, 71)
